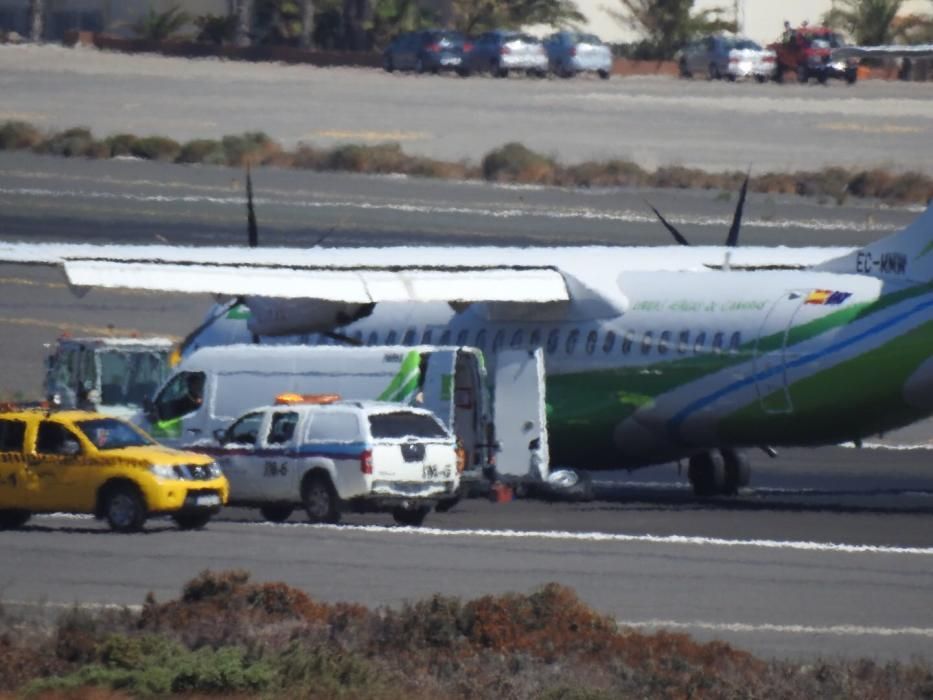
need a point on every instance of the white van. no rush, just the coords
(364, 456)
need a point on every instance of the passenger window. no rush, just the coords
(517, 338)
(333, 426)
(12, 435)
(373, 338)
(183, 394)
(409, 337)
(735, 342)
(591, 342)
(445, 337)
(683, 342)
(391, 337)
(609, 342)
(244, 431)
(282, 427)
(480, 339)
(553, 340)
(664, 342)
(627, 342)
(55, 439)
(571, 344)
(700, 343)
(535, 339)
(426, 337)
(646, 342)
(464, 335)
(498, 340)
(717, 343)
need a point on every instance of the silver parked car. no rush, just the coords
(499, 52)
(726, 56)
(570, 53)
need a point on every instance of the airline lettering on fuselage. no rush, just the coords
(708, 306)
(886, 263)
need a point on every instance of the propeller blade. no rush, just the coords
(251, 212)
(733, 238)
(669, 226)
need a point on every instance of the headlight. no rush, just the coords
(214, 470)
(166, 471)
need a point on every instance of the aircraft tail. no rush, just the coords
(906, 256)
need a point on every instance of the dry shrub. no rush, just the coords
(829, 182)
(379, 158)
(121, 144)
(73, 143)
(910, 187)
(155, 148)
(679, 177)
(515, 162)
(774, 183)
(612, 173)
(307, 157)
(16, 135)
(206, 151)
(249, 148)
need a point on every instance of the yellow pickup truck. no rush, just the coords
(83, 462)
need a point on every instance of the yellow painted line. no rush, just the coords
(63, 326)
(371, 135)
(865, 129)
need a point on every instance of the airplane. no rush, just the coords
(652, 354)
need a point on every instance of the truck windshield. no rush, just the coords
(128, 378)
(112, 434)
(403, 424)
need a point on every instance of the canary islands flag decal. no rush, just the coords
(826, 297)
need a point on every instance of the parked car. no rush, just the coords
(726, 56)
(499, 52)
(329, 455)
(570, 53)
(425, 51)
(85, 462)
(807, 53)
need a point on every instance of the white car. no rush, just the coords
(336, 456)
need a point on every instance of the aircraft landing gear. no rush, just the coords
(719, 472)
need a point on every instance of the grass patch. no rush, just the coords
(227, 636)
(512, 163)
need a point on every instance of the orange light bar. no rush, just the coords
(291, 399)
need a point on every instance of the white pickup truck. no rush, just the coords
(335, 456)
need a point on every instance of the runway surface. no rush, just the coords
(830, 552)
(652, 121)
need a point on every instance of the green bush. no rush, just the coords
(121, 144)
(379, 158)
(16, 135)
(156, 148)
(515, 162)
(73, 143)
(207, 151)
(251, 147)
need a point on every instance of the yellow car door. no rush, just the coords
(65, 476)
(14, 480)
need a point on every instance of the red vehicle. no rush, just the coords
(807, 53)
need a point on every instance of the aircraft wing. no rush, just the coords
(889, 51)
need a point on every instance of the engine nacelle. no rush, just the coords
(300, 316)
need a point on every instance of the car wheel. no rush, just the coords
(320, 500)
(803, 75)
(276, 512)
(684, 71)
(499, 71)
(191, 521)
(822, 78)
(419, 66)
(412, 517)
(851, 75)
(124, 509)
(13, 519)
(779, 74)
(604, 74)
(713, 72)
(388, 64)
(463, 72)
(760, 78)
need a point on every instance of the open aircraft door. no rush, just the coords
(520, 417)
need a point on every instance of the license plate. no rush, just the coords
(450, 61)
(208, 500)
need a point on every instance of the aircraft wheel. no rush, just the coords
(707, 474)
(738, 471)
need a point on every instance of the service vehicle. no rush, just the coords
(807, 52)
(500, 52)
(726, 56)
(83, 462)
(570, 52)
(432, 50)
(329, 455)
(112, 375)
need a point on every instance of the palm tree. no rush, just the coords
(666, 25)
(307, 23)
(867, 22)
(159, 26)
(244, 21)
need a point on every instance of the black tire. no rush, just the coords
(192, 521)
(604, 74)
(124, 508)
(684, 71)
(803, 74)
(822, 78)
(13, 519)
(463, 72)
(575, 486)
(851, 76)
(761, 79)
(410, 517)
(320, 500)
(712, 73)
(446, 504)
(419, 66)
(498, 71)
(388, 64)
(277, 512)
(707, 474)
(738, 471)
(779, 74)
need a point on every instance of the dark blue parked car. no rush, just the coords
(432, 50)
